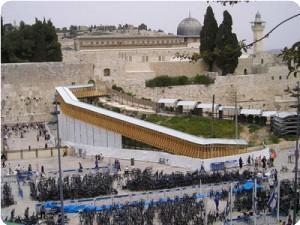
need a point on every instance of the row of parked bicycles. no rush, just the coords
(75, 186)
(53, 218)
(7, 197)
(146, 180)
(244, 200)
(96, 184)
(186, 210)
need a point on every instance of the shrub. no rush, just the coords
(117, 88)
(116, 109)
(274, 139)
(161, 81)
(165, 81)
(202, 79)
(181, 80)
(253, 128)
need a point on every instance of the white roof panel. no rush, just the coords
(168, 100)
(269, 113)
(69, 98)
(254, 112)
(285, 114)
(206, 106)
(80, 86)
(187, 103)
(225, 108)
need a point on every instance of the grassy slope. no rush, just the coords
(199, 126)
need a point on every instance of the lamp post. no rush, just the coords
(61, 194)
(296, 158)
(296, 94)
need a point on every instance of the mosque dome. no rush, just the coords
(189, 27)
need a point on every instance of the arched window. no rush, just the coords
(106, 72)
(245, 71)
(92, 82)
(279, 77)
(262, 61)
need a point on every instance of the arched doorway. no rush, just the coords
(92, 82)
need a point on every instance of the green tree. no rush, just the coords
(30, 43)
(142, 27)
(227, 47)
(73, 31)
(207, 38)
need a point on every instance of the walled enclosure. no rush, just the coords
(28, 88)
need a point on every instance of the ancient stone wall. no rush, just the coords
(264, 91)
(27, 89)
(178, 68)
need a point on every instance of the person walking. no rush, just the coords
(29, 168)
(3, 158)
(241, 162)
(264, 162)
(80, 167)
(96, 164)
(217, 202)
(42, 170)
(289, 222)
(249, 160)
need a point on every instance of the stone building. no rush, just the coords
(188, 34)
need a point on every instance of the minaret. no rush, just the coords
(258, 27)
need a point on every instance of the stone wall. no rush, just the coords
(27, 89)
(258, 90)
(178, 68)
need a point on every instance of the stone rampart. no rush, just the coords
(254, 90)
(178, 68)
(27, 89)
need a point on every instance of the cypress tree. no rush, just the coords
(227, 47)
(207, 37)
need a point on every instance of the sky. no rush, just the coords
(161, 15)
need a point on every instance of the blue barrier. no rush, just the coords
(77, 208)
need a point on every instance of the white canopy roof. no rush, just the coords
(269, 113)
(254, 112)
(285, 114)
(187, 103)
(206, 106)
(168, 100)
(69, 98)
(227, 108)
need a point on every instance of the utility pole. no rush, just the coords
(61, 194)
(254, 201)
(236, 116)
(212, 119)
(296, 200)
(230, 203)
(278, 199)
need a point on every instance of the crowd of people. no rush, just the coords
(258, 162)
(20, 130)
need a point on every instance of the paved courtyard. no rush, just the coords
(72, 163)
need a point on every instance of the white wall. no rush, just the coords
(78, 132)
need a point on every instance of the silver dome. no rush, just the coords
(189, 27)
